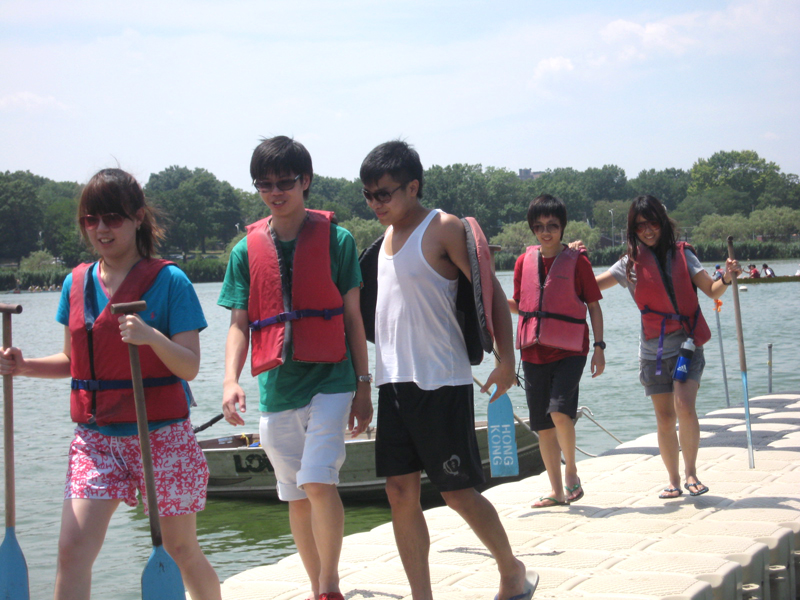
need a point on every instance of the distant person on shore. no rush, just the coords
(797, 273)
(754, 272)
(554, 286)
(767, 271)
(104, 465)
(425, 403)
(294, 281)
(718, 273)
(671, 318)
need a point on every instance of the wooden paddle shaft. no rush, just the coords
(8, 418)
(737, 311)
(141, 422)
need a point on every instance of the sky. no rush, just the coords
(149, 84)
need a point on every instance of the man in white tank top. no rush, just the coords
(425, 405)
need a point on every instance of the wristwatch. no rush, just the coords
(601, 345)
(365, 378)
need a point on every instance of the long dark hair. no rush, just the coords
(116, 191)
(650, 208)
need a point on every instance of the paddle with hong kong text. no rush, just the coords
(13, 569)
(161, 579)
(502, 436)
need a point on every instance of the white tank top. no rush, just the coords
(417, 337)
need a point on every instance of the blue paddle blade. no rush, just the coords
(503, 458)
(13, 570)
(162, 579)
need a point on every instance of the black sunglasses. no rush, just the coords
(284, 185)
(380, 196)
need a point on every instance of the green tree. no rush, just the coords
(775, 222)
(20, 217)
(514, 237)
(743, 171)
(721, 200)
(364, 231)
(581, 230)
(607, 183)
(603, 219)
(461, 190)
(668, 185)
(38, 261)
(567, 185)
(717, 228)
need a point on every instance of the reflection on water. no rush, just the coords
(238, 535)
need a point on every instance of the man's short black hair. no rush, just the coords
(281, 156)
(547, 206)
(398, 159)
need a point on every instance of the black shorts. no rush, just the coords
(431, 430)
(552, 387)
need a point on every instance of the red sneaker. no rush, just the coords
(331, 596)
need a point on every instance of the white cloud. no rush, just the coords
(552, 65)
(29, 101)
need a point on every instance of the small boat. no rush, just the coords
(781, 279)
(240, 469)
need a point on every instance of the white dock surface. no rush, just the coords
(620, 542)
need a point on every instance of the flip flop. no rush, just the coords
(531, 582)
(551, 502)
(577, 496)
(670, 491)
(701, 489)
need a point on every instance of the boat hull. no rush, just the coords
(239, 468)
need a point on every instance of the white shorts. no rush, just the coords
(306, 445)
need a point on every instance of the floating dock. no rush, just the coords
(739, 541)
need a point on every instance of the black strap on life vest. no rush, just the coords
(540, 314)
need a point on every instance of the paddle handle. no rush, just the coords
(8, 420)
(141, 423)
(737, 311)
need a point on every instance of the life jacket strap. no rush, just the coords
(98, 385)
(669, 317)
(326, 313)
(540, 314)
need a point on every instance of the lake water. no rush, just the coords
(238, 535)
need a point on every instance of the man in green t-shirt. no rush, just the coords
(312, 365)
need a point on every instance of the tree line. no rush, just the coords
(731, 192)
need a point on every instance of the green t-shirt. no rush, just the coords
(293, 384)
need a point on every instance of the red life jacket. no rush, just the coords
(661, 313)
(550, 312)
(309, 316)
(102, 391)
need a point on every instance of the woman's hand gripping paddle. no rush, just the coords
(742, 360)
(161, 579)
(13, 569)
(502, 437)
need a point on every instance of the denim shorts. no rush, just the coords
(662, 384)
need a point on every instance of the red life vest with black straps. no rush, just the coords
(550, 312)
(102, 391)
(662, 313)
(307, 315)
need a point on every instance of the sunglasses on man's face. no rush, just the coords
(550, 228)
(284, 185)
(112, 221)
(380, 196)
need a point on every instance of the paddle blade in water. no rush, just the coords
(161, 579)
(503, 459)
(13, 570)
